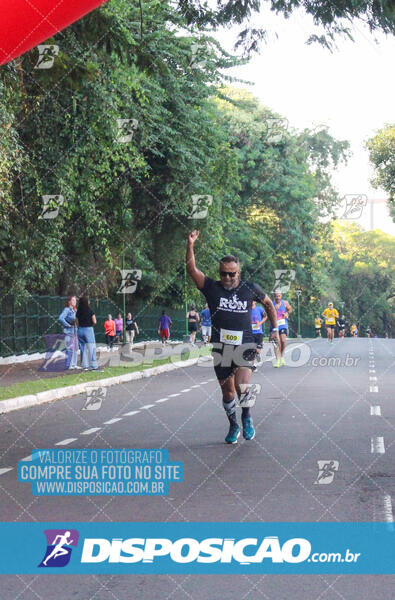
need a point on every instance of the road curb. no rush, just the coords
(73, 390)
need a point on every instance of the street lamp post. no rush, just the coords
(298, 293)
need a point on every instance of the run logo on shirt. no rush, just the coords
(233, 304)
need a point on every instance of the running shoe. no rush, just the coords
(276, 363)
(233, 434)
(282, 362)
(248, 428)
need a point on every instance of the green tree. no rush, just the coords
(382, 155)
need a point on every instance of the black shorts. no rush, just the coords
(192, 327)
(258, 339)
(330, 326)
(228, 358)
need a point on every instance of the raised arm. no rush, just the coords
(197, 276)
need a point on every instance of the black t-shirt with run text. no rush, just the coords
(231, 310)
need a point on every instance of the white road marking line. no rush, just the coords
(377, 445)
(5, 469)
(374, 389)
(196, 386)
(389, 516)
(173, 395)
(372, 378)
(111, 421)
(132, 412)
(146, 406)
(162, 400)
(65, 442)
(375, 411)
(372, 370)
(186, 390)
(89, 431)
(28, 458)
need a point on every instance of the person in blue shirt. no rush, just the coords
(68, 319)
(258, 317)
(206, 324)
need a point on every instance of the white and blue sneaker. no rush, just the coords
(248, 428)
(233, 434)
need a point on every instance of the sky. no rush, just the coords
(351, 90)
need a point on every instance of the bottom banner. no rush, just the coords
(199, 548)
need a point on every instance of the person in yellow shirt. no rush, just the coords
(330, 315)
(317, 326)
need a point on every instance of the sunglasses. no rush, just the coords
(231, 274)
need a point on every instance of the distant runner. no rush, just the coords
(205, 316)
(317, 326)
(258, 317)
(234, 351)
(283, 310)
(354, 330)
(193, 320)
(331, 315)
(342, 324)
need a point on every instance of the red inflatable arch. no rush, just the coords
(26, 23)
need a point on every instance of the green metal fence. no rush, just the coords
(24, 325)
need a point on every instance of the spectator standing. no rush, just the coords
(119, 328)
(206, 324)
(109, 330)
(164, 327)
(131, 328)
(86, 335)
(68, 319)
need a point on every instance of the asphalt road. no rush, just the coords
(317, 408)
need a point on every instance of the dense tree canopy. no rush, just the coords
(137, 119)
(382, 155)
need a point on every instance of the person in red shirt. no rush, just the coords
(109, 330)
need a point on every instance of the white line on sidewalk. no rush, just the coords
(5, 469)
(89, 431)
(132, 412)
(66, 442)
(375, 411)
(111, 421)
(377, 445)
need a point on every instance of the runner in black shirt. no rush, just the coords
(234, 350)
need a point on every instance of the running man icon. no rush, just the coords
(57, 555)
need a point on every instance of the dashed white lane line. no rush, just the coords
(111, 421)
(5, 470)
(372, 370)
(131, 413)
(146, 406)
(388, 513)
(173, 395)
(195, 386)
(375, 411)
(89, 431)
(373, 389)
(161, 400)
(377, 445)
(66, 442)
(373, 378)
(186, 390)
